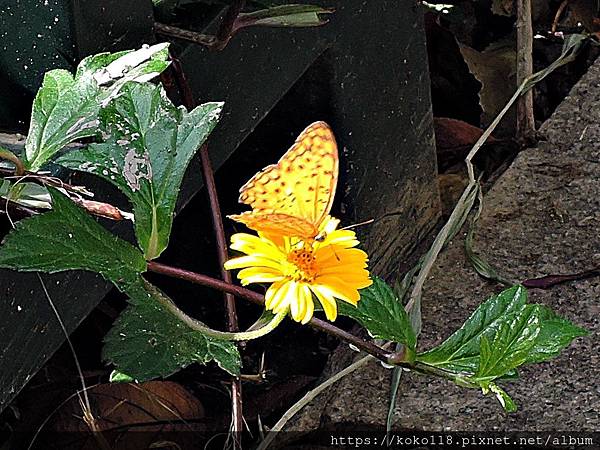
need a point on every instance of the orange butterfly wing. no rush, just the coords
(294, 196)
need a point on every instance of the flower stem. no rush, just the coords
(255, 297)
(229, 336)
(10, 156)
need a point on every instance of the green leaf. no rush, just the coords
(394, 391)
(66, 107)
(555, 334)
(284, 16)
(510, 346)
(63, 110)
(460, 352)
(382, 314)
(481, 265)
(148, 147)
(112, 70)
(149, 341)
(502, 334)
(505, 400)
(118, 377)
(67, 238)
(26, 194)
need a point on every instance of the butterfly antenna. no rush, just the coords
(366, 222)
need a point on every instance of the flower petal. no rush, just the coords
(327, 302)
(310, 305)
(297, 304)
(254, 260)
(338, 289)
(259, 275)
(249, 244)
(275, 294)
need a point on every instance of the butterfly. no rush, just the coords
(293, 197)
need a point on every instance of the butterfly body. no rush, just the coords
(293, 197)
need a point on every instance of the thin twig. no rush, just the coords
(559, 12)
(10, 156)
(209, 180)
(309, 397)
(10, 207)
(237, 419)
(44, 180)
(88, 416)
(259, 299)
(219, 42)
(525, 119)
(206, 40)
(99, 209)
(548, 281)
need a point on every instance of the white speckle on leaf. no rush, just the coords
(125, 63)
(136, 168)
(80, 124)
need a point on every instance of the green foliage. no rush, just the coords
(382, 314)
(66, 107)
(67, 238)
(26, 194)
(149, 341)
(502, 334)
(555, 334)
(460, 352)
(285, 16)
(147, 150)
(144, 146)
(118, 377)
(505, 400)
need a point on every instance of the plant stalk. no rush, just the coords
(224, 34)
(254, 297)
(237, 420)
(525, 119)
(10, 156)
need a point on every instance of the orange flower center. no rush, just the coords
(302, 265)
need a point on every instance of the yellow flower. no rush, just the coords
(299, 271)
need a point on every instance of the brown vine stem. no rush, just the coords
(206, 40)
(559, 12)
(223, 36)
(226, 30)
(255, 297)
(218, 42)
(10, 156)
(232, 322)
(219, 233)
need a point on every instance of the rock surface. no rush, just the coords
(541, 217)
